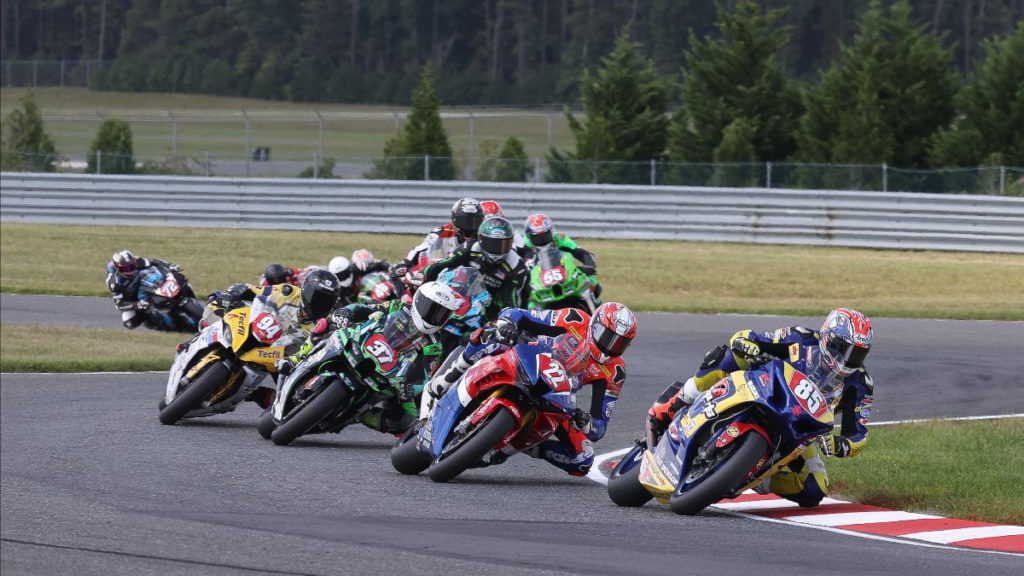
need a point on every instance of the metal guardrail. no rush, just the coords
(751, 215)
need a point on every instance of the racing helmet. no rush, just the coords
(362, 258)
(467, 216)
(432, 306)
(539, 230)
(612, 328)
(342, 268)
(124, 263)
(320, 292)
(843, 343)
(495, 237)
(275, 274)
(491, 208)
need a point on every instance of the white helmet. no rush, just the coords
(432, 306)
(342, 268)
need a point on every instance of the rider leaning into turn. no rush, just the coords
(491, 253)
(596, 361)
(833, 357)
(432, 306)
(124, 280)
(351, 271)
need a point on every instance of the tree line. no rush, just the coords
(484, 52)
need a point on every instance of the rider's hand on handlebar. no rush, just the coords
(837, 446)
(582, 421)
(506, 332)
(747, 349)
(142, 305)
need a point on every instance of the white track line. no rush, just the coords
(961, 534)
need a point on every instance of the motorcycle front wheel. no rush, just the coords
(211, 380)
(311, 413)
(405, 455)
(624, 487)
(265, 423)
(722, 480)
(480, 440)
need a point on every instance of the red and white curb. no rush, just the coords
(861, 520)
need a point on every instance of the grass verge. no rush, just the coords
(32, 348)
(965, 470)
(646, 275)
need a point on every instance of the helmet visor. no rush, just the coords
(541, 238)
(846, 355)
(496, 248)
(607, 341)
(433, 314)
(467, 223)
(319, 304)
(126, 268)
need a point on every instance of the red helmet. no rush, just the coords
(612, 328)
(845, 340)
(539, 230)
(491, 208)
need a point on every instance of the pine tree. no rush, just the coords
(991, 128)
(625, 104)
(422, 135)
(885, 96)
(513, 164)
(112, 150)
(735, 155)
(26, 145)
(737, 76)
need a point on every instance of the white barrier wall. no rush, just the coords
(749, 215)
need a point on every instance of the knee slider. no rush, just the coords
(714, 357)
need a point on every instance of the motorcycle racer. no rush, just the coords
(596, 361)
(467, 215)
(350, 272)
(124, 279)
(540, 231)
(832, 357)
(501, 267)
(432, 305)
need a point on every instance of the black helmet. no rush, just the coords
(495, 238)
(467, 214)
(275, 274)
(320, 292)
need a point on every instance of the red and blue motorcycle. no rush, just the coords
(503, 404)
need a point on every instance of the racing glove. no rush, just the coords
(398, 269)
(505, 332)
(142, 305)
(582, 421)
(745, 348)
(838, 446)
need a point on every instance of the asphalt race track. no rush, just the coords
(93, 484)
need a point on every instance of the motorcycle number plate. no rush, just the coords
(553, 276)
(265, 328)
(553, 373)
(808, 395)
(382, 352)
(170, 288)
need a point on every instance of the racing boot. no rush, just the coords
(678, 396)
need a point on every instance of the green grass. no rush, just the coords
(30, 348)
(216, 125)
(647, 275)
(967, 470)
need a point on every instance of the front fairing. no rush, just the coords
(326, 353)
(555, 277)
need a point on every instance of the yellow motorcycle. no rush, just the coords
(225, 363)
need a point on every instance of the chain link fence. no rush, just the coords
(991, 180)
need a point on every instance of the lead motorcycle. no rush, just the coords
(503, 404)
(748, 426)
(225, 363)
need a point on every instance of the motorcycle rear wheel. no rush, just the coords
(405, 455)
(625, 488)
(723, 480)
(193, 309)
(192, 397)
(334, 395)
(481, 441)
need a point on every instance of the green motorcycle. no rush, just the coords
(351, 376)
(557, 281)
